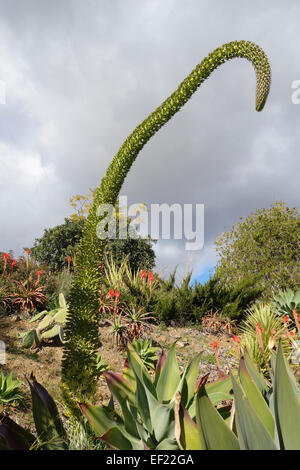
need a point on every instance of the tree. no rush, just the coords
(57, 243)
(267, 244)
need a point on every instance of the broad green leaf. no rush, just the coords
(167, 444)
(51, 333)
(159, 365)
(252, 433)
(219, 390)
(186, 431)
(188, 381)
(122, 391)
(256, 375)
(214, 432)
(48, 424)
(169, 378)
(117, 440)
(255, 398)
(101, 419)
(62, 301)
(286, 404)
(139, 369)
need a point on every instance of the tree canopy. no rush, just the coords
(265, 244)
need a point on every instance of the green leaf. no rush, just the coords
(49, 427)
(101, 419)
(255, 398)
(169, 378)
(214, 432)
(252, 433)
(286, 404)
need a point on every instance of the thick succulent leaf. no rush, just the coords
(167, 444)
(188, 381)
(38, 316)
(286, 404)
(255, 398)
(51, 333)
(159, 365)
(48, 424)
(219, 390)
(123, 392)
(128, 374)
(163, 421)
(30, 339)
(169, 378)
(214, 432)
(252, 433)
(61, 316)
(139, 369)
(118, 440)
(256, 375)
(119, 386)
(62, 301)
(101, 419)
(61, 334)
(46, 322)
(15, 437)
(186, 432)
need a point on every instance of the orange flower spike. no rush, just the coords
(117, 294)
(285, 319)
(259, 331)
(215, 345)
(237, 340)
(111, 293)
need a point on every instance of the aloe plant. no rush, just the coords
(286, 301)
(147, 420)
(264, 417)
(146, 351)
(177, 411)
(10, 390)
(51, 325)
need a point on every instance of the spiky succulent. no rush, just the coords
(79, 363)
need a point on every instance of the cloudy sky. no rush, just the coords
(81, 74)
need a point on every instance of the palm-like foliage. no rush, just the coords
(272, 329)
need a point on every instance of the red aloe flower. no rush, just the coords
(237, 340)
(296, 318)
(117, 294)
(285, 319)
(215, 345)
(27, 258)
(150, 278)
(111, 293)
(69, 263)
(259, 331)
(39, 273)
(6, 257)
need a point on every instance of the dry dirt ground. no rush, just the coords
(45, 363)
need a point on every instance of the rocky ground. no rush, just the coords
(45, 363)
